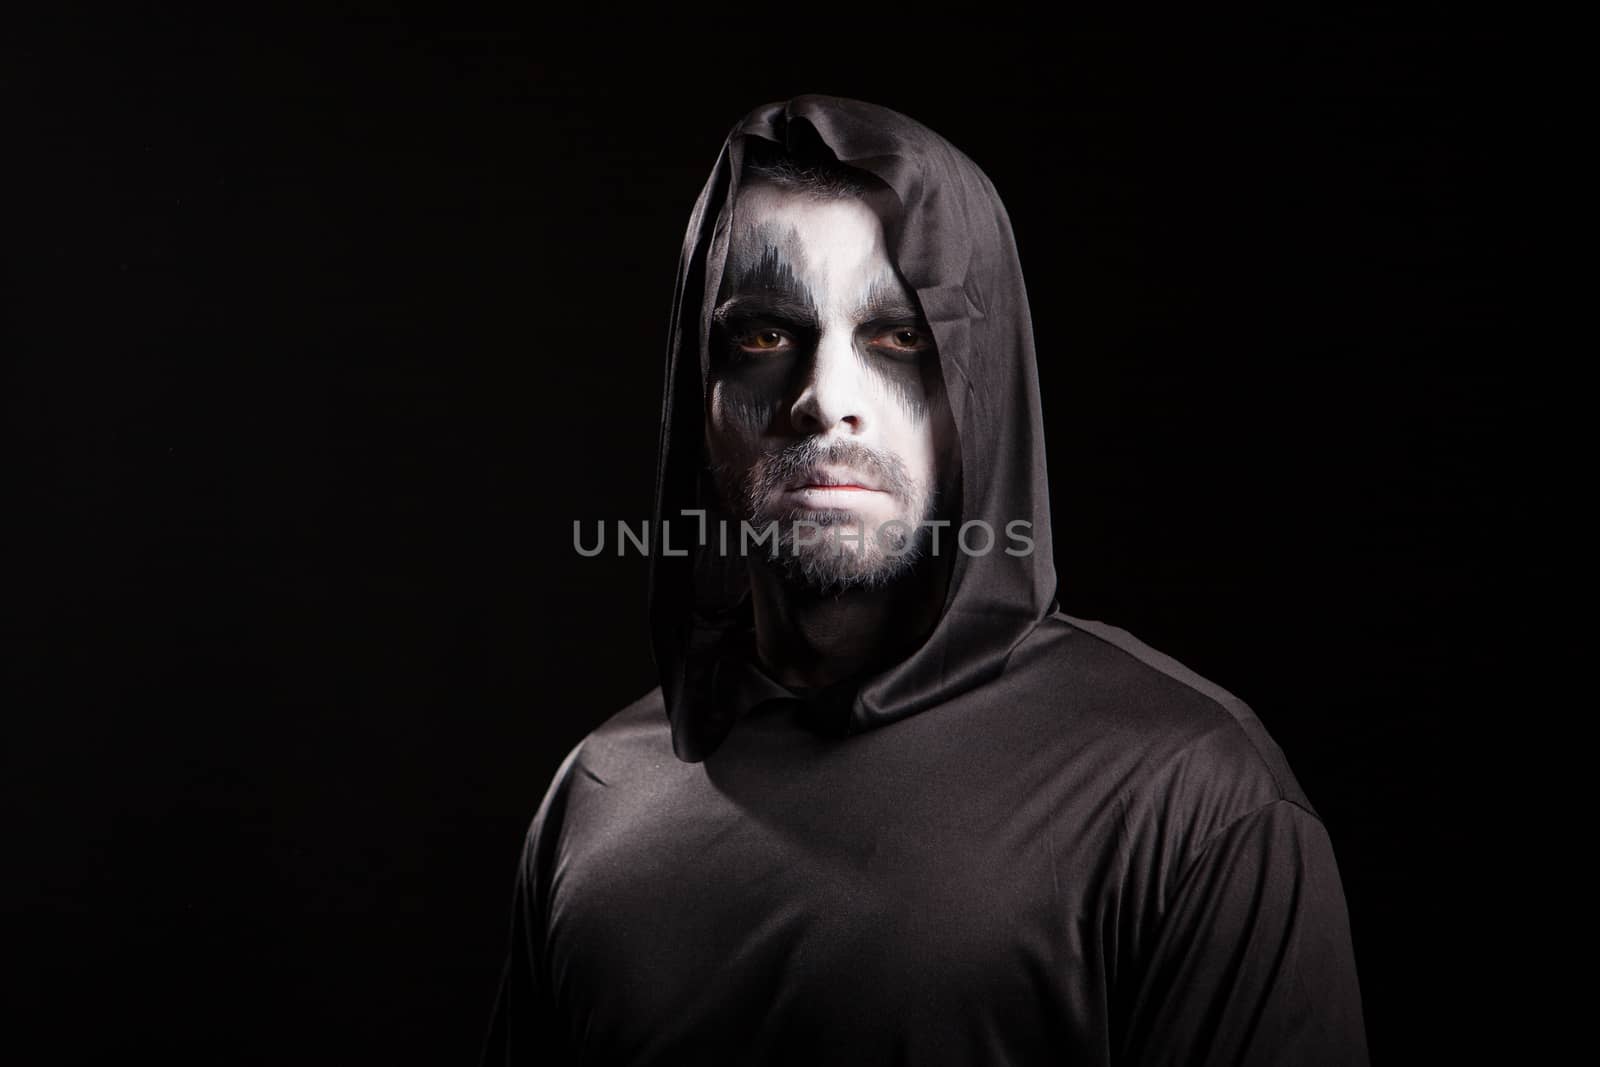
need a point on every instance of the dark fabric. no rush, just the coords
(1033, 840)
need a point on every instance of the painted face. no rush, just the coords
(826, 410)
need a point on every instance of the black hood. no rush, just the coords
(949, 237)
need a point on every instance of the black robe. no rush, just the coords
(1032, 840)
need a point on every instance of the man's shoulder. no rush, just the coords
(646, 715)
(637, 736)
(1175, 728)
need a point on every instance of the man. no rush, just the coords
(889, 805)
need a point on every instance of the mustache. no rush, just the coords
(781, 469)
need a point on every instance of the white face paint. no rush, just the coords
(826, 403)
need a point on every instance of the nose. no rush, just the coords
(833, 394)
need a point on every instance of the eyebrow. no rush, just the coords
(885, 302)
(784, 307)
(770, 285)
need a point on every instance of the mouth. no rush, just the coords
(821, 480)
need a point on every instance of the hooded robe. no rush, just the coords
(1033, 839)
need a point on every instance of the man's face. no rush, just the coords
(826, 405)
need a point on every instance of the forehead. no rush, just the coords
(829, 243)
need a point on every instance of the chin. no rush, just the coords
(833, 561)
(831, 572)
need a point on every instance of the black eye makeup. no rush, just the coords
(762, 341)
(769, 314)
(902, 340)
(742, 335)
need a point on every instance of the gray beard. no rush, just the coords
(816, 558)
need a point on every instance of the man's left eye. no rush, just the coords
(903, 339)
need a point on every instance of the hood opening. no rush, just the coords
(950, 239)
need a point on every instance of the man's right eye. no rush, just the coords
(763, 340)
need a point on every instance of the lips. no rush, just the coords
(819, 478)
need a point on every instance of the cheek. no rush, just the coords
(912, 437)
(909, 409)
(924, 430)
(939, 422)
(904, 386)
(926, 463)
(735, 420)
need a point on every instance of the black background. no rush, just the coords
(319, 339)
